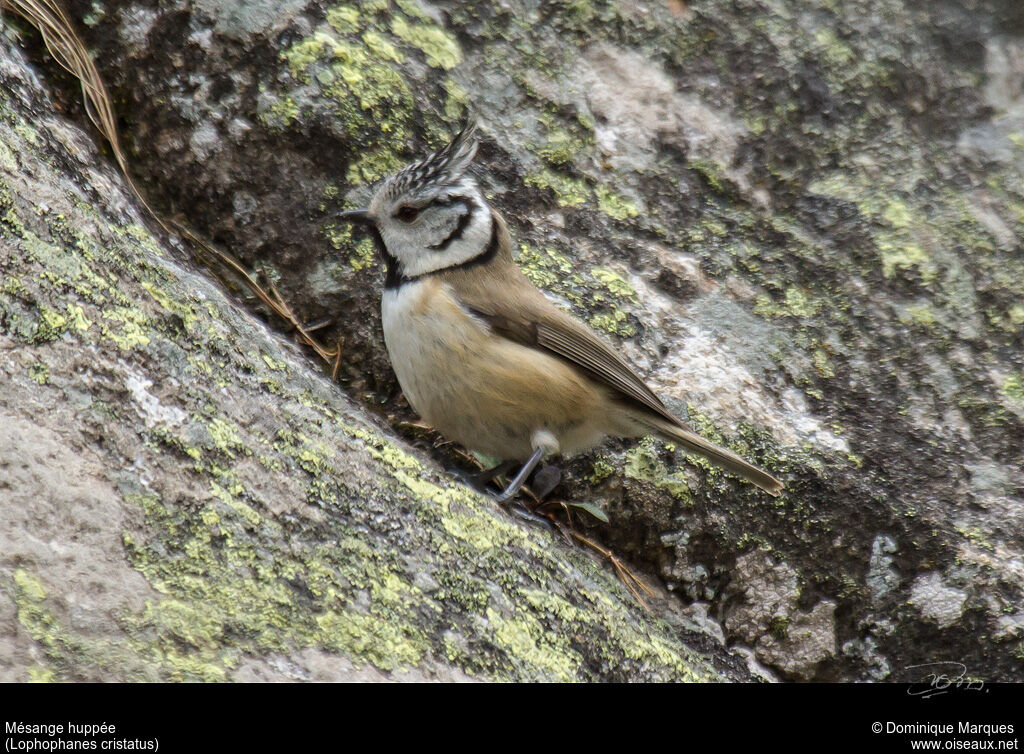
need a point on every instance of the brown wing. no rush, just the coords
(515, 309)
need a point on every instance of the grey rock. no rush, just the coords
(186, 496)
(799, 233)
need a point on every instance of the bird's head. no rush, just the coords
(431, 214)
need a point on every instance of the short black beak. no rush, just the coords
(361, 216)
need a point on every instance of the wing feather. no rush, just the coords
(542, 325)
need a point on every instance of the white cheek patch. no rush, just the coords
(467, 239)
(455, 225)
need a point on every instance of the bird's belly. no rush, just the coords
(481, 390)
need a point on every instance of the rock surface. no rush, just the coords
(800, 221)
(185, 497)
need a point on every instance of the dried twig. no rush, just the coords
(67, 48)
(630, 580)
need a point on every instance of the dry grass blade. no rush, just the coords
(631, 581)
(64, 44)
(272, 299)
(67, 48)
(635, 586)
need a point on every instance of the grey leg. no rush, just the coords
(479, 480)
(520, 479)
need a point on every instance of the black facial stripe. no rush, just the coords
(460, 227)
(450, 200)
(395, 278)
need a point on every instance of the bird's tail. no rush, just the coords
(691, 441)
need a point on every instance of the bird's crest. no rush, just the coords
(442, 168)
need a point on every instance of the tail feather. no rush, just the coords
(721, 456)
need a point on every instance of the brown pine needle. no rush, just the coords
(422, 426)
(272, 299)
(64, 44)
(633, 583)
(319, 325)
(283, 310)
(67, 48)
(337, 361)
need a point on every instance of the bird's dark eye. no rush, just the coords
(407, 214)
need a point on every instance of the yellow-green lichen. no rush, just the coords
(922, 314)
(904, 255)
(360, 82)
(712, 173)
(41, 675)
(836, 52)
(275, 364)
(61, 644)
(644, 463)
(225, 436)
(614, 205)
(615, 322)
(29, 585)
(7, 158)
(382, 48)
(897, 214)
(1013, 387)
(230, 498)
(373, 165)
(40, 372)
(207, 598)
(527, 641)
(601, 471)
(387, 646)
(822, 364)
(282, 113)
(364, 255)
(569, 192)
(616, 284)
(562, 141)
(301, 56)
(343, 18)
(545, 267)
(455, 104)
(77, 318)
(132, 331)
(440, 47)
(552, 270)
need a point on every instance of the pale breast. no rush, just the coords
(479, 389)
(423, 339)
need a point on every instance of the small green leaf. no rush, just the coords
(593, 510)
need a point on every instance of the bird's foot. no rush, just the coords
(480, 480)
(525, 512)
(542, 481)
(532, 508)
